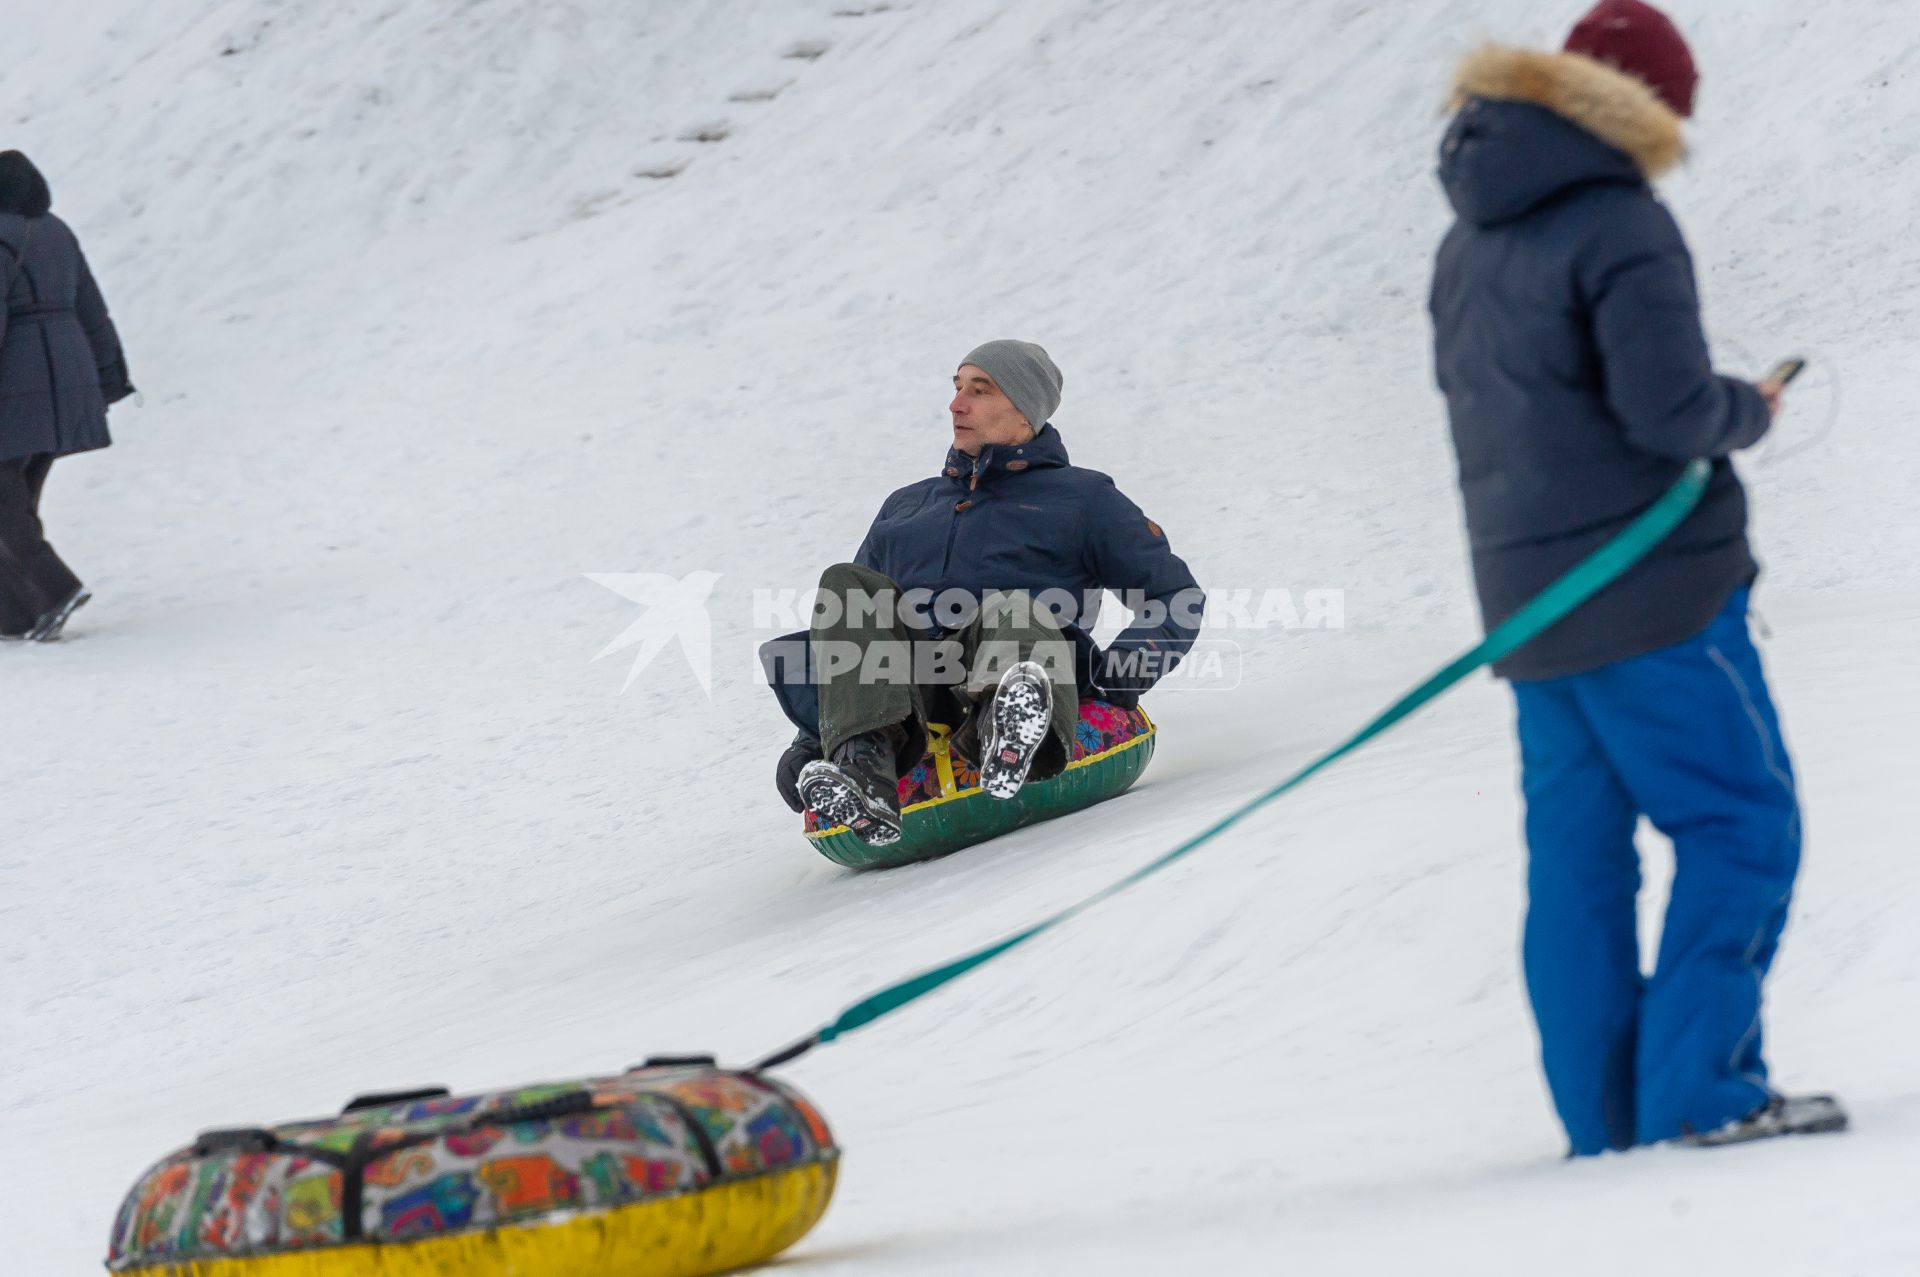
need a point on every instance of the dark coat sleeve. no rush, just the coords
(102, 337)
(1128, 554)
(1659, 378)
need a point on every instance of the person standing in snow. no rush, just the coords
(60, 366)
(1024, 542)
(1568, 344)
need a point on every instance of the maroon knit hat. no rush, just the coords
(1640, 40)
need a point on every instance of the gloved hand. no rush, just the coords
(787, 776)
(1118, 680)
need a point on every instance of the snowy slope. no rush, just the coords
(329, 794)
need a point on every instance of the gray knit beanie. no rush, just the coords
(1026, 373)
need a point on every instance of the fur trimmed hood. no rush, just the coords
(1612, 105)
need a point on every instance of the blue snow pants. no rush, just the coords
(1687, 737)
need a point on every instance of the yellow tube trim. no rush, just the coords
(709, 1230)
(943, 757)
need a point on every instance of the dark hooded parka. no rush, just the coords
(1023, 517)
(1568, 344)
(60, 359)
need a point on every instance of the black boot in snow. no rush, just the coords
(48, 627)
(1781, 1115)
(1017, 721)
(858, 787)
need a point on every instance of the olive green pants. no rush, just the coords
(875, 671)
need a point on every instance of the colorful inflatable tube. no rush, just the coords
(674, 1169)
(943, 808)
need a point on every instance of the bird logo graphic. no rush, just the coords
(675, 609)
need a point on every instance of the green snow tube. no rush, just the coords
(943, 809)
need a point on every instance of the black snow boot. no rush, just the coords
(48, 628)
(1017, 721)
(858, 787)
(1781, 1115)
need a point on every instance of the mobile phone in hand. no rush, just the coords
(1786, 370)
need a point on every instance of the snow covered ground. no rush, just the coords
(328, 793)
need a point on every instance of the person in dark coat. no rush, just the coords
(1568, 344)
(60, 366)
(988, 577)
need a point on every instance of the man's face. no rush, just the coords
(982, 413)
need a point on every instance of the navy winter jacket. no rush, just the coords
(1021, 517)
(1568, 344)
(60, 360)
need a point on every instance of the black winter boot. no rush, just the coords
(48, 628)
(859, 787)
(1781, 1115)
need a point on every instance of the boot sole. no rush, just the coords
(1017, 725)
(829, 795)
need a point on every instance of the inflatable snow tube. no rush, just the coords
(943, 809)
(674, 1169)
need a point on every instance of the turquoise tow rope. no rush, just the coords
(1580, 583)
